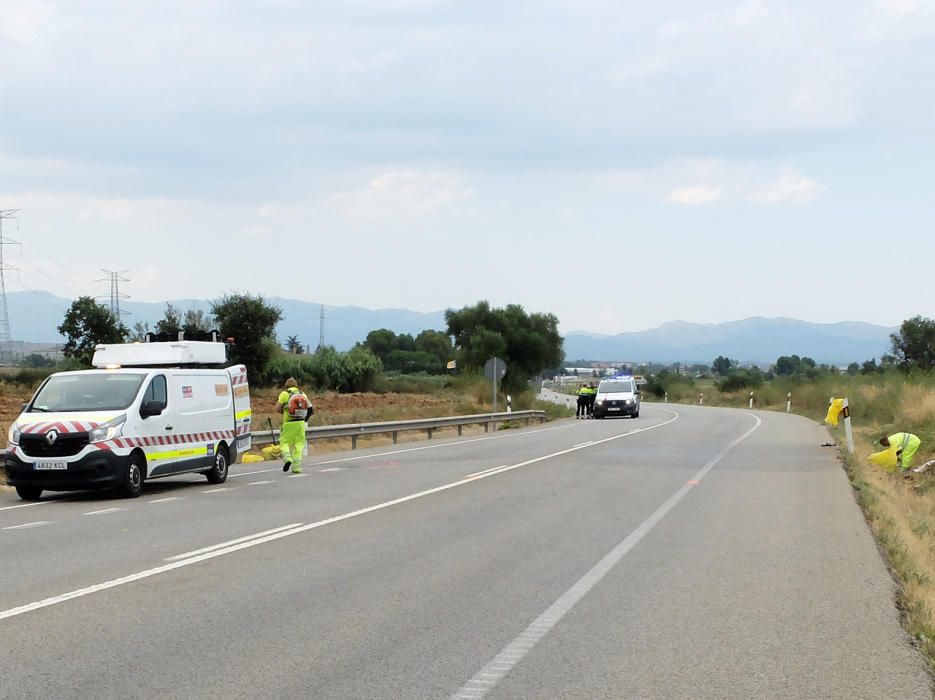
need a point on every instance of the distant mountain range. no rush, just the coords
(34, 317)
(755, 340)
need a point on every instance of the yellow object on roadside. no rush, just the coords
(271, 452)
(886, 458)
(834, 410)
(250, 458)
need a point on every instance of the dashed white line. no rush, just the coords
(332, 469)
(104, 511)
(223, 488)
(585, 444)
(221, 545)
(260, 483)
(258, 540)
(26, 526)
(27, 505)
(486, 471)
(498, 667)
(166, 500)
(296, 476)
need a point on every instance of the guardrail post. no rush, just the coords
(430, 431)
(395, 436)
(353, 442)
(486, 426)
(460, 428)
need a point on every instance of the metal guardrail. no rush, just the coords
(394, 428)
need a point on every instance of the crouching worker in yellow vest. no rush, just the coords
(901, 448)
(296, 410)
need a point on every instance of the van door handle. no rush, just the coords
(168, 427)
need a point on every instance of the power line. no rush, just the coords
(321, 328)
(5, 332)
(115, 278)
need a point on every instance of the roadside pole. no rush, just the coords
(789, 402)
(847, 427)
(751, 400)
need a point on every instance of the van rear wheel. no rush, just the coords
(133, 475)
(218, 473)
(29, 493)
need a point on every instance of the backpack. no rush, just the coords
(299, 407)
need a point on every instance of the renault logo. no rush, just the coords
(51, 437)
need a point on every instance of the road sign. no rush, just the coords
(494, 369)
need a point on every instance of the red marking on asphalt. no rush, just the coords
(693, 482)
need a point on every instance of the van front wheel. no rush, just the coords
(218, 473)
(29, 493)
(132, 484)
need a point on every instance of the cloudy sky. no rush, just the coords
(620, 164)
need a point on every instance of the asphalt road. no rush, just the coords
(690, 553)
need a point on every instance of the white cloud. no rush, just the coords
(402, 194)
(900, 8)
(698, 194)
(790, 187)
(21, 21)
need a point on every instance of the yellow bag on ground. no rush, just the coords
(249, 458)
(271, 452)
(886, 458)
(834, 410)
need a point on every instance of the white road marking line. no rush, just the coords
(25, 526)
(113, 583)
(166, 500)
(297, 476)
(221, 545)
(585, 444)
(27, 505)
(486, 471)
(260, 483)
(104, 511)
(332, 469)
(516, 651)
(262, 471)
(223, 488)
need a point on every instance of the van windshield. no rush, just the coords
(87, 392)
(617, 387)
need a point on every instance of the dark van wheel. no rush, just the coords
(218, 473)
(29, 493)
(133, 475)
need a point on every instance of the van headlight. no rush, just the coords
(600, 402)
(13, 435)
(108, 431)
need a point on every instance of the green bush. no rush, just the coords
(327, 369)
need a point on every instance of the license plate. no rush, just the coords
(49, 465)
(614, 408)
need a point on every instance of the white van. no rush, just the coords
(149, 410)
(617, 396)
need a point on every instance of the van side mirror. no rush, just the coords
(152, 408)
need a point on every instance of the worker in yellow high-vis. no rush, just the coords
(906, 445)
(296, 410)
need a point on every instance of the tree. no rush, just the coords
(381, 342)
(528, 343)
(139, 332)
(853, 369)
(170, 325)
(869, 366)
(251, 322)
(196, 321)
(293, 344)
(914, 346)
(437, 343)
(37, 361)
(87, 324)
(722, 365)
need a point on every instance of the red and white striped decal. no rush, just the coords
(160, 441)
(63, 427)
